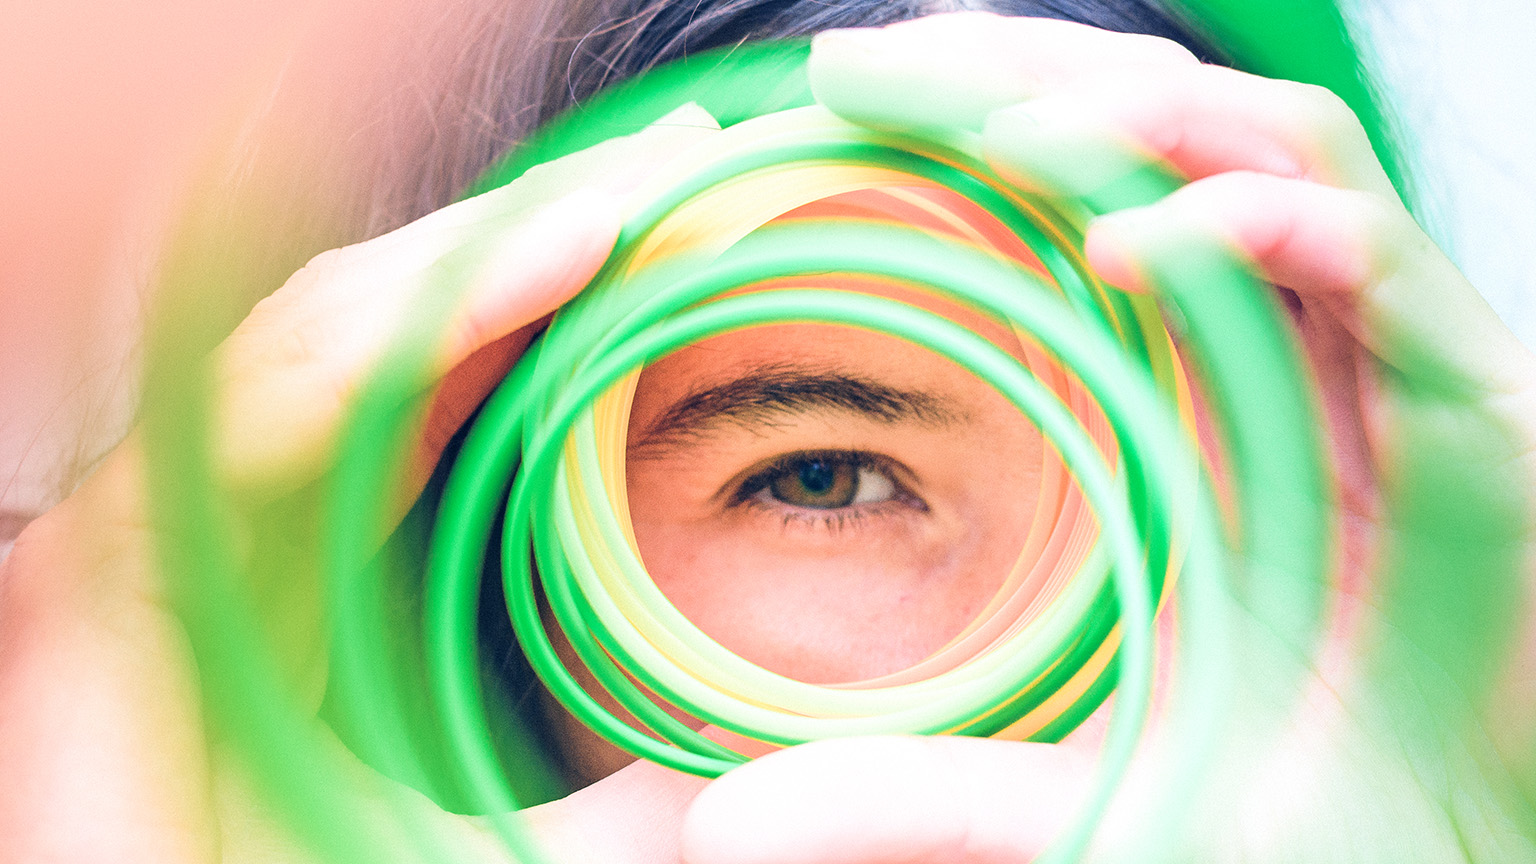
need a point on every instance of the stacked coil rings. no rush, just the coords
(805, 209)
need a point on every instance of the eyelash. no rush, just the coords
(748, 492)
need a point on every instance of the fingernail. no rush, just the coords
(895, 79)
(1131, 218)
(1114, 243)
(578, 206)
(1130, 229)
(865, 41)
(691, 115)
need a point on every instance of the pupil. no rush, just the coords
(820, 482)
(818, 476)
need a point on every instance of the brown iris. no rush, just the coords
(817, 482)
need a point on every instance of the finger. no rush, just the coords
(533, 271)
(483, 268)
(102, 750)
(461, 393)
(1075, 104)
(853, 801)
(953, 70)
(289, 377)
(633, 816)
(615, 167)
(560, 207)
(1198, 121)
(1398, 294)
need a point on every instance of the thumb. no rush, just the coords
(869, 800)
(633, 816)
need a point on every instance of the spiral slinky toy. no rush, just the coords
(811, 211)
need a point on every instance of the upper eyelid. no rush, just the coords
(735, 492)
(781, 463)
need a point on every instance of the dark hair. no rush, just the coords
(638, 34)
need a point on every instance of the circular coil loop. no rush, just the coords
(1129, 508)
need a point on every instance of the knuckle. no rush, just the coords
(326, 263)
(466, 333)
(335, 266)
(297, 344)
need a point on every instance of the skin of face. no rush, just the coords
(724, 436)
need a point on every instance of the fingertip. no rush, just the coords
(1112, 244)
(850, 70)
(829, 802)
(931, 80)
(589, 210)
(882, 799)
(558, 250)
(538, 265)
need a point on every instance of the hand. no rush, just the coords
(1283, 174)
(102, 752)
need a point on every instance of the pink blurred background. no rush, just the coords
(105, 110)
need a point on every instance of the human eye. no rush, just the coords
(822, 482)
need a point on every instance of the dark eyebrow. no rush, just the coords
(771, 393)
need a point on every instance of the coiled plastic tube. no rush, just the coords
(1127, 508)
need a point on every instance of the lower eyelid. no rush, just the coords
(852, 517)
(829, 521)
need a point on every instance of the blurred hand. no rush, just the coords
(98, 699)
(1283, 174)
(102, 752)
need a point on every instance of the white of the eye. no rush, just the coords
(874, 486)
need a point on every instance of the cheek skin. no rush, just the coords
(812, 613)
(829, 620)
(827, 604)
